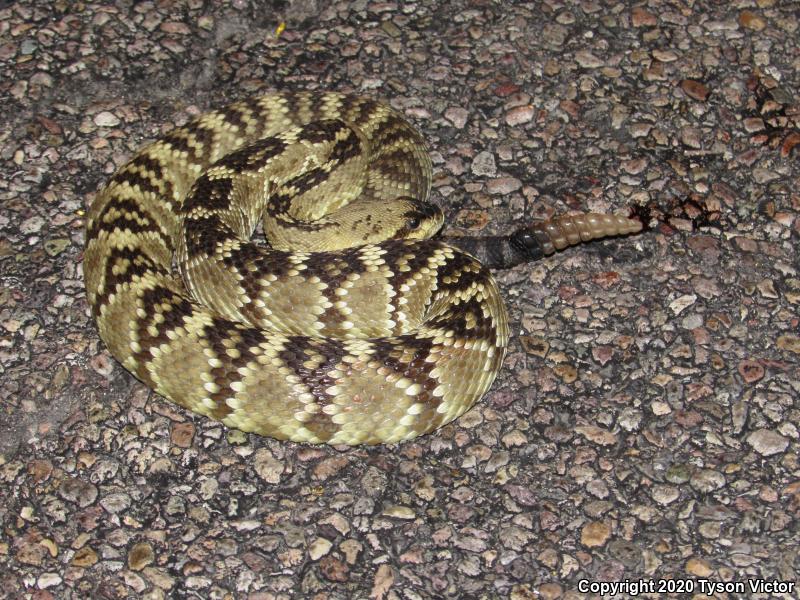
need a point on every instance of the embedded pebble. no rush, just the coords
(319, 548)
(595, 534)
(140, 556)
(695, 89)
(484, 164)
(767, 442)
(588, 60)
(503, 185)
(707, 480)
(664, 494)
(267, 466)
(519, 115)
(106, 119)
(457, 116)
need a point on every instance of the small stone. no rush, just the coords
(116, 502)
(140, 556)
(535, 345)
(664, 494)
(319, 548)
(519, 115)
(634, 166)
(767, 442)
(399, 512)
(51, 546)
(789, 143)
(595, 534)
(175, 27)
(334, 569)
(665, 56)
(182, 434)
(80, 492)
(106, 119)
(710, 529)
(338, 522)
(762, 176)
(568, 373)
(550, 591)
(750, 20)
(598, 435)
(390, 28)
(47, 580)
(351, 549)
(739, 414)
(56, 246)
(660, 408)
(655, 72)
(474, 220)
(751, 370)
(384, 579)
(695, 89)
(707, 480)
(766, 287)
(506, 89)
(483, 164)
(753, 124)
(630, 419)
(641, 18)
(457, 116)
(588, 60)
(790, 343)
(552, 68)
(597, 488)
(85, 557)
(603, 354)
(698, 567)
(267, 466)
(32, 225)
(523, 591)
(691, 137)
(681, 303)
(503, 185)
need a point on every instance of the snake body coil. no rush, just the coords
(351, 328)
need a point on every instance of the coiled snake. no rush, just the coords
(353, 327)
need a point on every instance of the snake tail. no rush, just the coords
(534, 242)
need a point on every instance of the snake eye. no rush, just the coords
(414, 223)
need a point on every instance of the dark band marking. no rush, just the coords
(253, 157)
(221, 335)
(203, 139)
(172, 310)
(301, 349)
(136, 264)
(204, 234)
(212, 194)
(147, 175)
(132, 217)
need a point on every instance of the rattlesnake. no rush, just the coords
(354, 327)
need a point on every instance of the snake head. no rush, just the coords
(420, 220)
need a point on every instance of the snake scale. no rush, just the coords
(353, 326)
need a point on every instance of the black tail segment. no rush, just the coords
(538, 240)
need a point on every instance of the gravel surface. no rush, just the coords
(645, 425)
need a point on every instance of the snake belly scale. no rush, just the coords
(350, 329)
